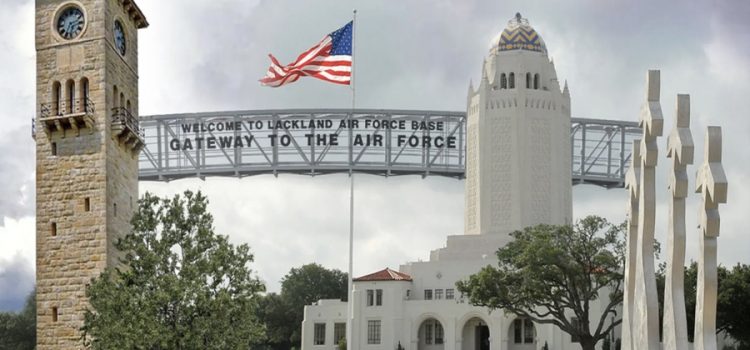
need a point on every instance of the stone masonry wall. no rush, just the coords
(89, 164)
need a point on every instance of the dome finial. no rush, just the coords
(519, 35)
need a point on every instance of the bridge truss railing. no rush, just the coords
(601, 149)
(163, 159)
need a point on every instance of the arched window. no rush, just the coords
(56, 98)
(503, 81)
(528, 80)
(84, 93)
(536, 81)
(114, 97)
(122, 100)
(70, 100)
(512, 81)
(130, 110)
(523, 331)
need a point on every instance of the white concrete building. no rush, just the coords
(518, 175)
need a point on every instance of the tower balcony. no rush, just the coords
(126, 128)
(67, 115)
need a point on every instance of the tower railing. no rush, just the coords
(123, 117)
(72, 114)
(127, 128)
(62, 108)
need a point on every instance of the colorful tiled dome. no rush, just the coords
(519, 35)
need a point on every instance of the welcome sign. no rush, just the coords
(386, 142)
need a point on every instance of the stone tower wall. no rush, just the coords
(90, 164)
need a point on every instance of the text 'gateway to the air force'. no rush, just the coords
(315, 132)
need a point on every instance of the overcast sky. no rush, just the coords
(418, 54)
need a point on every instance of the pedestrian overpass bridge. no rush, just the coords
(371, 141)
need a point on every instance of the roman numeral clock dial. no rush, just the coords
(70, 23)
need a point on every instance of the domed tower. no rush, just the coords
(518, 167)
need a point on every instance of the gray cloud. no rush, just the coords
(208, 55)
(421, 55)
(16, 282)
(16, 174)
(17, 107)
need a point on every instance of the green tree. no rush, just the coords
(734, 305)
(733, 302)
(548, 273)
(179, 286)
(18, 330)
(276, 315)
(306, 285)
(282, 314)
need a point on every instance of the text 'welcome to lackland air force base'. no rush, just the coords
(317, 132)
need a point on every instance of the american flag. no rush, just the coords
(329, 60)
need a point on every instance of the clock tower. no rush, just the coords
(87, 144)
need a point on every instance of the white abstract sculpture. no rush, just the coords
(631, 184)
(680, 150)
(711, 182)
(640, 329)
(645, 324)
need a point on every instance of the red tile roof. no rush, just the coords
(384, 275)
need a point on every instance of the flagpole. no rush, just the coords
(350, 291)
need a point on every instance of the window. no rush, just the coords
(503, 81)
(54, 314)
(438, 294)
(114, 209)
(438, 333)
(56, 98)
(129, 107)
(528, 80)
(115, 101)
(536, 81)
(373, 332)
(339, 332)
(374, 297)
(53, 229)
(122, 99)
(428, 333)
(86, 204)
(428, 294)
(528, 331)
(320, 334)
(517, 331)
(523, 331)
(512, 81)
(84, 95)
(408, 293)
(70, 86)
(433, 332)
(54, 149)
(449, 293)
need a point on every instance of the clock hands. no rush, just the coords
(70, 23)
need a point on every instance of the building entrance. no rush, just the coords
(482, 337)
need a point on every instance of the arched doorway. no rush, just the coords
(475, 335)
(431, 335)
(522, 335)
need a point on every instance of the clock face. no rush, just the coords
(120, 43)
(70, 22)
